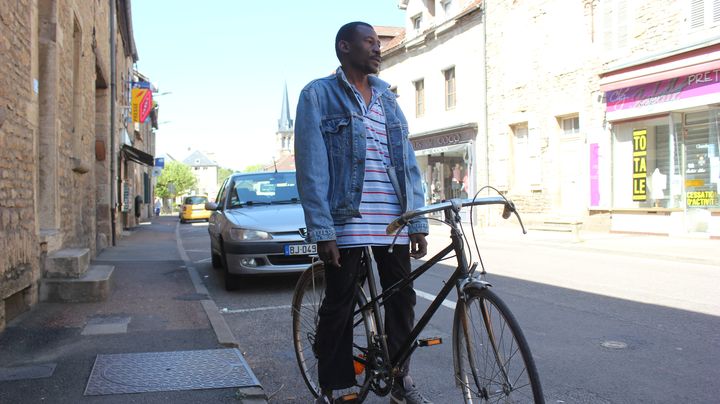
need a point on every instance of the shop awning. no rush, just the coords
(662, 67)
(137, 155)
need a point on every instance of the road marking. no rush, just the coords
(203, 260)
(447, 303)
(234, 311)
(196, 250)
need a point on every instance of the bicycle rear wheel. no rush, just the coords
(493, 363)
(308, 296)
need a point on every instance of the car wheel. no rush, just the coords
(231, 280)
(216, 262)
(183, 221)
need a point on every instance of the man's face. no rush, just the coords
(364, 50)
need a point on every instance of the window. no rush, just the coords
(430, 4)
(570, 125)
(420, 98)
(446, 5)
(616, 21)
(450, 88)
(704, 13)
(416, 22)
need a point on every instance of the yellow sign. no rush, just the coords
(141, 104)
(639, 165)
(701, 198)
(694, 183)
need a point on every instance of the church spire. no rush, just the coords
(285, 124)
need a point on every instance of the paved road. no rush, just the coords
(572, 305)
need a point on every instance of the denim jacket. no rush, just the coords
(330, 155)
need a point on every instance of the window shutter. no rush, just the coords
(608, 25)
(697, 13)
(622, 23)
(716, 11)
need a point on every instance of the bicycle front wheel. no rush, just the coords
(309, 294)
(493, 363)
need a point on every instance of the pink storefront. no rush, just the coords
(665, 118)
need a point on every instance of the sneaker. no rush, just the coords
(406, 392)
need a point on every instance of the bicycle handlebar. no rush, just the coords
(454, 204)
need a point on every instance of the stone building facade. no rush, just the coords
(66, 65)
(436, 67)
(546, 84)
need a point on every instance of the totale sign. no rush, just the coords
(639, 165)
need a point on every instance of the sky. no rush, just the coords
(221, 67)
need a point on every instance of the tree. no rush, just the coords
(222, 174)
(254, 168)
(177, 174)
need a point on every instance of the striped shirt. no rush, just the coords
(379, 205)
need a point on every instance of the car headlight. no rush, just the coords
(247, 234)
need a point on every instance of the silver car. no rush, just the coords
(257, 226)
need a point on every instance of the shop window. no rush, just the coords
(419, 98)
(449, 88)
(570, 126)
(648, 163)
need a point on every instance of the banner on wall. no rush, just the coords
(141, 101)
(639, 179)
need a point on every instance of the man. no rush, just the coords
(356, 172)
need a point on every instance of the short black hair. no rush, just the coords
(346, 32)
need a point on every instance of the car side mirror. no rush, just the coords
(211, 206)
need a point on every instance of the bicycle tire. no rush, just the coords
(308, 295)
(486, 341)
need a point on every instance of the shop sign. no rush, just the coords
(639, 165)
(141, 101)
(437, 141)
(651, 94)
(126, 197)
(701, 198)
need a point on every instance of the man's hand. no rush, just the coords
(418, 245)
(329, 253)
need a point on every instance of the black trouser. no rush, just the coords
(335, 329)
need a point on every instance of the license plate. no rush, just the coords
(300, 249)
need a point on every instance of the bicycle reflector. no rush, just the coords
(430, 341)
(359, 366)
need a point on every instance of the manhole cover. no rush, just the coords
(614, 345)
(167, 371)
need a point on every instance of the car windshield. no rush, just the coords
(195, 200)
(263, 189)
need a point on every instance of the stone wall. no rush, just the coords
(54, 106)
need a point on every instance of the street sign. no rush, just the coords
(160, 162)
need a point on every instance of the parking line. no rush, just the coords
(234, 311)
(447, 303)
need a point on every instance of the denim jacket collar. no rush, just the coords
(375, 82)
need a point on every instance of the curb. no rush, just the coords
(222, 331)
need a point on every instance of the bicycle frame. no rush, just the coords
(461, 272)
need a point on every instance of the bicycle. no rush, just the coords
(492, 359)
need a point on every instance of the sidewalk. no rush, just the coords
(676, 248)
(152, 341)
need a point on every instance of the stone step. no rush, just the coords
(67, 263)
(92, 286)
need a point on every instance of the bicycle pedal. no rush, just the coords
(430, 341)
(347, 398)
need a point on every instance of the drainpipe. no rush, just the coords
(113, 96)
(485, 106)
